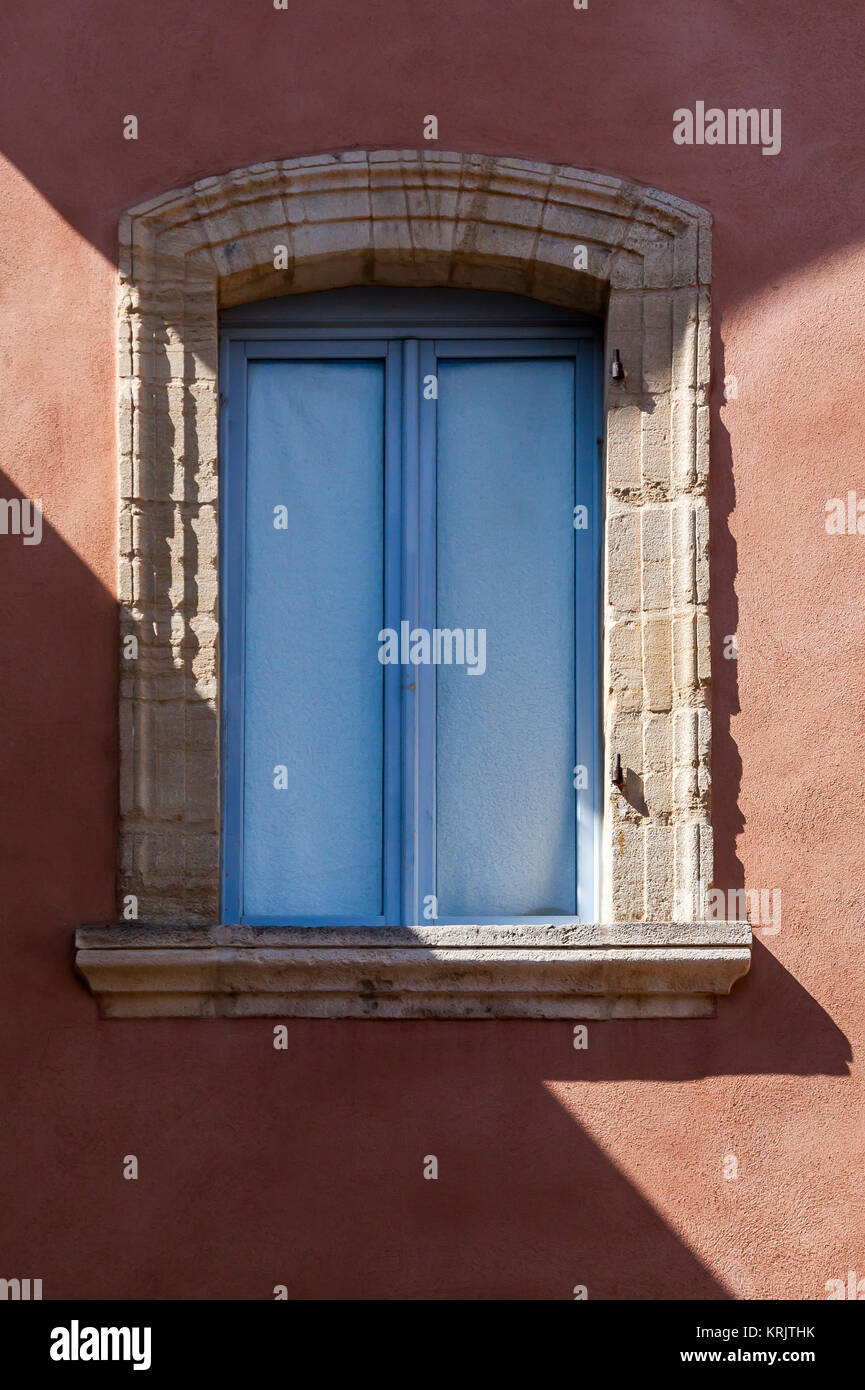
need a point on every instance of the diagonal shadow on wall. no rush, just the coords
(301, 1167)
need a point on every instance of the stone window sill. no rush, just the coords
(591, 971)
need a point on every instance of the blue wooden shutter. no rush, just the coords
(507, 452)
(412, 793)
(506, 739)
(307, 756)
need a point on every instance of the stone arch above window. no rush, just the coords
(606, 246)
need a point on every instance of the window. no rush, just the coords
(389, 220)
(410, 579)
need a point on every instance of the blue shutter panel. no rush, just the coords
(354, 498)
(505, 739)
(313, 608)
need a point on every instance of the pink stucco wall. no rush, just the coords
(557, 1167)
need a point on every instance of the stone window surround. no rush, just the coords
(405, 218)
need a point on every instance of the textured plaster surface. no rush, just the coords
(303, 1166)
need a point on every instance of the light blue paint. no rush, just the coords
(505, 739)
(314, 606)
(409, 781)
